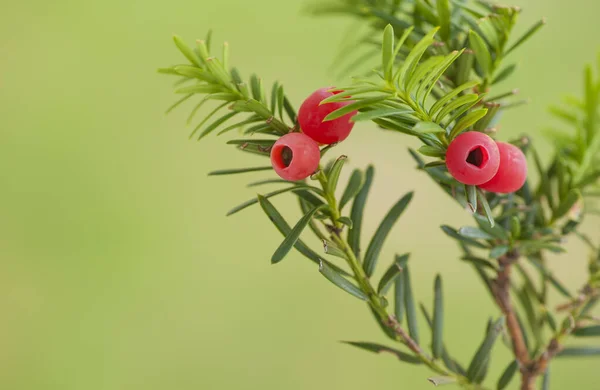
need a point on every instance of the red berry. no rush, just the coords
(472, 158)
(311, 115)
(295, 156)
(512, 172)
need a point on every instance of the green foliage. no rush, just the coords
(439, 61)
(211, 79)
(372, 347)
(479, 363)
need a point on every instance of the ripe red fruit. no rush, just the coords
(295, 156)
(512, 172)
(472, 158)
(311, 115)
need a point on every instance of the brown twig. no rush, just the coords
(501, 291)
(536, 367)
(410, 343)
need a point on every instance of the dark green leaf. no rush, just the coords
(504, 73)
(588, 331)
(450, 363)
(421, 72)
(387, 55)
(431, 151)
(546, 379)
(590, 305)
(464, 66)
(548, 275)
(208, 116)
(289, 110)
(437, 343)
(249, 121)
(357, 212)
(392, 273)
(498, 251)
(425, 11)
(468, 241)
(332, 249)
(404, 74)
(449, 96)
(208, 40)
(259, 150)
(535, 245)
(252, 201)
(482, 53)
(377, 348)
(472, 232)
(471, 192)
(240, 170)
(494, 230)
(255, 87)
(428, 127)
(409, 303)
(515, 227)
(280, 102)
(459, 104)
(399, 297)
(357, 105)
(443, 10)
(532, 30)
(544, 179)
(549, 318)
(309, 197)
(201, 88)
(573, 197)
(523, 331)
(507, 375)
(378, 113)
(346, 221)
(526, 296)
(170, 71)
(491, 117)
(395, 125)
(252, 141)
(186, 51)
(355, 183)
(579, 352)
(442, 380)
(177, 103)
(334, 174)
(482, 356)
(210, 128)
(340, 281)
(284, 228)
(467, 121)
(291, 238)
(435, 164)
(374, 248)
(477, 261)
(274, 91)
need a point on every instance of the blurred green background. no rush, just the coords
(118, 268)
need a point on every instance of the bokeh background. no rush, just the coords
(118, 268)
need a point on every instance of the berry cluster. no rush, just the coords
(473, 158)
(295, 156)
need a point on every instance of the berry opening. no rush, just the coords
(286, 156)
(478, 157)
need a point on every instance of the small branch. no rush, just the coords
(539, 365)
(374, 300)
(410, 343)
(501, 291)
(587, 292)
